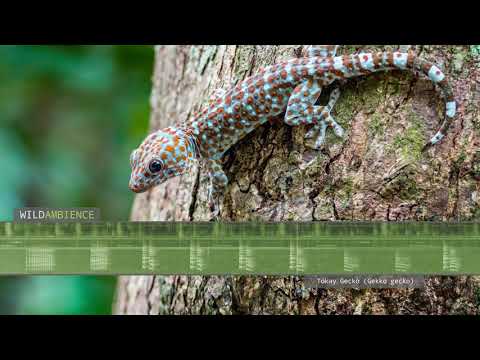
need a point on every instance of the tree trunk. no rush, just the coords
(387, 118)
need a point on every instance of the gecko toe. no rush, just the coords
(339, 131)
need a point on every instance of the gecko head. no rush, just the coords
(162, 155)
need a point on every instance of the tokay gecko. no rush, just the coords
(290, 87)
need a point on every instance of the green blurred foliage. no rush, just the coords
(70, 116)
(58, 295)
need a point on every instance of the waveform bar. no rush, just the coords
(240, 248)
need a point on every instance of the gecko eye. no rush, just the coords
(155, 166)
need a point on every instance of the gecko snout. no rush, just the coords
(135, 187)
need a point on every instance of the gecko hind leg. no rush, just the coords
(320, 129)
(302, 111)
(328, 120)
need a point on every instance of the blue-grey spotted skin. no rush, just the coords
(451, 109)
(291, 88)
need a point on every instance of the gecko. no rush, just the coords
(291, 88)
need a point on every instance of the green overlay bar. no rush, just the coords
(240, 248)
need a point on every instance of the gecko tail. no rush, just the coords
(365, 63)
(417, 64)
(410, 61)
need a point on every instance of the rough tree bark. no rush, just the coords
(387, 117)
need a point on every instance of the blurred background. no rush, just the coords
(69, 118)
